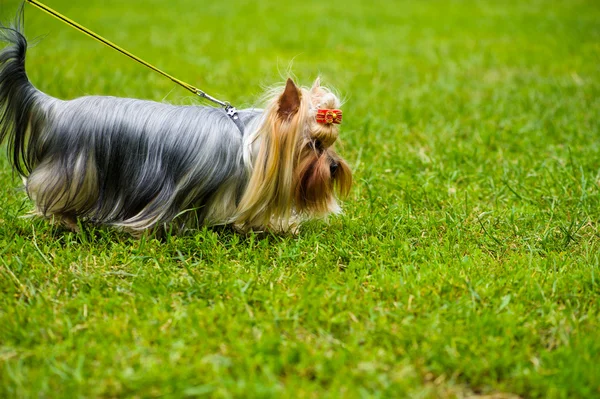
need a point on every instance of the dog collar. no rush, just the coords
(232, 112)
(329, 116)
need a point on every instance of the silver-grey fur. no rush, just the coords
(118, 161)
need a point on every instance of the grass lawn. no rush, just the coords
(467, 259)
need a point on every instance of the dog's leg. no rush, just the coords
(69, 222)
(56, 194)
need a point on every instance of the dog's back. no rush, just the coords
(131, 162)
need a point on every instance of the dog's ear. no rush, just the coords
(289, 102)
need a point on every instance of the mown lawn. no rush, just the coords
(467, 259)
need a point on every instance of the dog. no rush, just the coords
(138, 165)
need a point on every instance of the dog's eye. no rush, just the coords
(333, 167)
(318, 145)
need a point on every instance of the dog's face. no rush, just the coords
(320, 173)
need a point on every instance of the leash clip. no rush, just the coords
(231, 111)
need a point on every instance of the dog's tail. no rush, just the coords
(18, 98)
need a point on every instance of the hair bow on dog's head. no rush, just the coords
(329, 116)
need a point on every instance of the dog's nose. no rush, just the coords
(333, 167)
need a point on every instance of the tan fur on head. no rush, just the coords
(292, 171)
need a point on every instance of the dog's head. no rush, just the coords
(296, 172)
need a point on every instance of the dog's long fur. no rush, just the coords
(138, 164)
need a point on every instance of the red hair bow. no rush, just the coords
(329, 116)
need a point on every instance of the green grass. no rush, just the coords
(467, 259)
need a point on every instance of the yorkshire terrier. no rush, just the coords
(140, 164)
